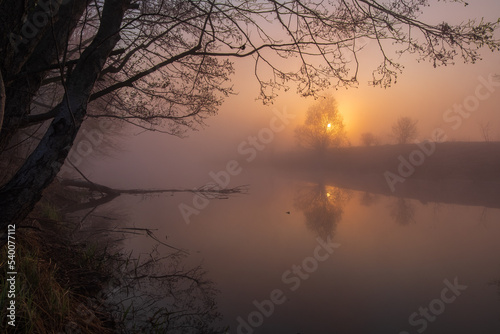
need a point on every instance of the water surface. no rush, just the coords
(396, 264)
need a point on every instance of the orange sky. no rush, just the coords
(422, 92)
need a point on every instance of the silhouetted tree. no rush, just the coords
(159, 63)
(323, 128)
(369, 139)
(405, 130)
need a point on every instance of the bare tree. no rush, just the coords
(323, 128)
(166, 64)
(369, 139)
(405, 130)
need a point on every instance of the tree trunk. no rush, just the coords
(26, 62)
(22, 192)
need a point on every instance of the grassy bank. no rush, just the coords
(45, 301)
(72, 276)
(56, 279)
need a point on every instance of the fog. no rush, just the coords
(429, 95)
(399, 239)
(422, 92)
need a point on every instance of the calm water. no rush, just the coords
(387, 264)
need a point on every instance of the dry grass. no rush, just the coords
(47, 299)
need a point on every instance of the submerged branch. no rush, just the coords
(212, 191)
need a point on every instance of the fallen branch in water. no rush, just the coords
(108, 194)
(212, 191)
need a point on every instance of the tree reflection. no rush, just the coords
(160, 290)
(322, 206)
(403, 211)
(368, 199)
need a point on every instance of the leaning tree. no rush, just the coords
(166, 64)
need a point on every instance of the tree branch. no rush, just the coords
(129, 82)
(208, 191)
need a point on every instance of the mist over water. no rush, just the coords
(381, 239)
(247, 167)
(383, 260)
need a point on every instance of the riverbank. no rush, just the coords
(450, 160)
(74, 274)
(465, 173)
(57, 280)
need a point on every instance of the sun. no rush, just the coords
(329, 125)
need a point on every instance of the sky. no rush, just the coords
(422, 92)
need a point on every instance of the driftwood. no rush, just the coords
(207, 190)
(108, 194)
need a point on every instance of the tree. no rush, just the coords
(405, 130)
(369, 139)
(166, 65)
(323, 127)
(403, 211)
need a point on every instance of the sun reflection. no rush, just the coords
(322, 206)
